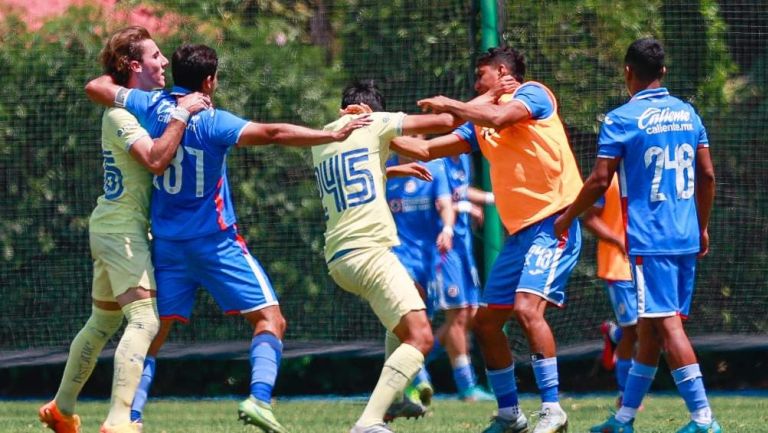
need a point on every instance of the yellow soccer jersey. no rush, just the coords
(351, 178)
(124, 207)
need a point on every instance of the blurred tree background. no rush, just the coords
(288, 61)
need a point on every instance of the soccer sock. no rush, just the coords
(622, 371)
(142, 392)
(143, 324)
(422, 377)
(639, 382)
(505, 389)
(462, 373)
(437, 350)
(545, 371)
(266, 352)
(83, 354)
(691, 386)
(398, 370)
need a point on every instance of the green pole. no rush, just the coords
(492, 231)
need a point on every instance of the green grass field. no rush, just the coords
(662, 414)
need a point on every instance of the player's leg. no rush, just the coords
(495, 311)
(376, 275)
(623, 298)
(549, 262)
(104, 321)
(680, 355)
(174, 302)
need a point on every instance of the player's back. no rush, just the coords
(351, 179)
(659, 136)
(192, 197)
(124, 206)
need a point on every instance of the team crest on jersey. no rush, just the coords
(120, 132)
(453, 291)
(410, 186)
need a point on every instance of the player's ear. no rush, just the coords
(134, 66)
(502, 70)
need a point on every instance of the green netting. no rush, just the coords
(287, 61)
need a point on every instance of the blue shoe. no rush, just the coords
(692, 427)
(613, 426)
(476, 393)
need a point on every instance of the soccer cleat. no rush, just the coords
(422, 392)
(608, 329)
(476, 393)
(551, 420)
(613, 426)
(692, 427)
(404, 408)
(502, 425)
(128, 427)
(50, 415)
(376, 428)
(258, 413)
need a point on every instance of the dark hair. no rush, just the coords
(363, 92)
(507, 56)
(646, 58)
(192, 64)
(121, 48)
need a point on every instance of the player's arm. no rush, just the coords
(426, 150)
(592, 222)
(594, 188)
(705, 194)
(259, 134)
(414, 124)
(482, 114)
(156, 154)
(448, 217)
(479, 197)
(103, 90)
(412, 169)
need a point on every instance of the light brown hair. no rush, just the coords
(121, 48)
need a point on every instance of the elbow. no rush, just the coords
(90, 91)
(156, 169)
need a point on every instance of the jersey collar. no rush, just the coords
(651, 93)
(180, 91)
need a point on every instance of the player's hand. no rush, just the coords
(505, 85)
(444, 242)
(561, 226)
(194, 102)
(358, 123)
(436, 104)
(356, 109)
(704, 242)
(416, 170)
(478, 215)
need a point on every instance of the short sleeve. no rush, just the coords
(612, 138)
(124, 128)
(600, 203)
(390, 125)
(467, 133)
(536, 100)
(703, 140)
(138, 102)
(225, 127)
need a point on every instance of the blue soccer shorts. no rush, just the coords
(664, 284)
(533, 261)
(457, 284)
(419, 264)
(623, 296)
(220, 263)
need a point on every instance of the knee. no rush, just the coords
(527, 317)
(423, 339)
(142, 315)
(483, 326)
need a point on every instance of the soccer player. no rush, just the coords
(534, 177)
(424, 217)
(196, 242)
(123, 281)
(360, 232)
(605, 221)
(661, 149)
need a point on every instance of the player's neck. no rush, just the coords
(635, 87)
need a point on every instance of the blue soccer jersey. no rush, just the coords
(656, 136)
(192, 197)
(413, 205)
(458, 169)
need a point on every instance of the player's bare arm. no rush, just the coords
(592, 222)
(414, 124)
(156, 154)
(479, 197)
(259, 134)
(426, 150)
(448, 217)
(412, 169)
(705, 195)
(594, 188)
(482, 114)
